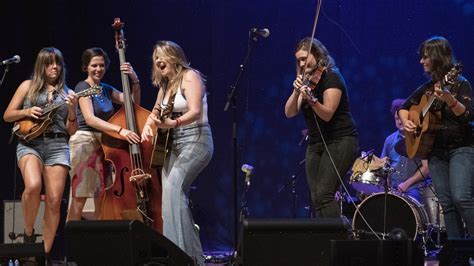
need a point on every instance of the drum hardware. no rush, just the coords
(435, 215)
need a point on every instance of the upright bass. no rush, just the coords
(136, 189)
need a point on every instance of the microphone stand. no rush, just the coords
(4, 74)
(292, 182)
(231, 101)
(244, 209)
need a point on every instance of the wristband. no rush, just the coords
(118, 131)
(136, 82)
(178, 122)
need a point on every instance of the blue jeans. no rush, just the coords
(191, 151)
(452, 172)
(323, 181)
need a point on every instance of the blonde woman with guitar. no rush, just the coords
(181, 106)
(446, 101)
(44, 158)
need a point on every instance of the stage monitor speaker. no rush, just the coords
(375, 252)
(289, 241)
(121, 242)
(21, 252)
(457, 251)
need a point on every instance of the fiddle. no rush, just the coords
(311, 80)
(314, 76)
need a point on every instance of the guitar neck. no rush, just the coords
(52, 107)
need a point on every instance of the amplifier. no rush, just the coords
(13, 221)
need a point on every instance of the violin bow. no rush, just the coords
(316, 17)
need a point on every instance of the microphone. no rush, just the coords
(247, 169)
(15, 59)
(260, 32)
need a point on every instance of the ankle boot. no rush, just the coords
(29, 239)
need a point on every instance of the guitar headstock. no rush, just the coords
(94, 90)
(119, 36)
(452, 76)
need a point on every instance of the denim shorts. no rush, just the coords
(51, 150)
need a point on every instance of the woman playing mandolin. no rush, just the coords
(191, 146)
(451, 158)
(325, 105)
(89, 171)
(46, 157)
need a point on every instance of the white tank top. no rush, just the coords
(181, 106)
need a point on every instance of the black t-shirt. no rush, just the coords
(452, 131)
(102, 104)
(341, 124)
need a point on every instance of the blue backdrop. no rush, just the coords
(373, 42)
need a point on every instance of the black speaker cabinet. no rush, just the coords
(375, 252)
(457, 251)
(124, 242)
(21, 251)
(288, 241)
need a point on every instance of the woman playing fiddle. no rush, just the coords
(325, 106)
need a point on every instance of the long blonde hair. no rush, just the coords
(46, 57)
(174, 55)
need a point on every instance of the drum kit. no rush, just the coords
(386, 213)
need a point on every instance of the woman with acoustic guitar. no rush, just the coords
(451, 158)
(46, 157)
(182, 95)
(319, 91)
(90, 172)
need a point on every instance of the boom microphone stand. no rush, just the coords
(231, 101)
(4, 74)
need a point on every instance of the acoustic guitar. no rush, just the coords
(419, 142)
(162, 140)
(29, 128)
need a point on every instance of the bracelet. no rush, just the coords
(136, 82)
(71, 120)
(178, 122)
(120, 130)
(454, 104)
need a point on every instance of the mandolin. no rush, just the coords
(29, 128)
(419, 142)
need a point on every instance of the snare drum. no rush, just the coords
(368, 177)
(403, 212)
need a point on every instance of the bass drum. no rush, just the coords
(403, 212)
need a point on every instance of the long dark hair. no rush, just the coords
(46, 57)
(318, 50)
(439, 50)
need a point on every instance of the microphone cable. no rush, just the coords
(340, 178)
